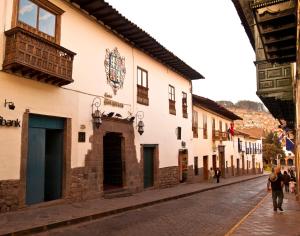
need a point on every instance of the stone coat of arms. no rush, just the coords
(115, 69)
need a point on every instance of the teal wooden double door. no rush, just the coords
(148, 167)
(45, 159)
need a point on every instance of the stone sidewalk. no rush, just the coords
(264, 221)
(32, 219)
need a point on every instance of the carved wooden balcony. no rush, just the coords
(275, 89)
(224, 136)
(36, 58)
(172, 108)
(216, 135)
(142, 95)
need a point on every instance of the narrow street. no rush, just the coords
(212, 212)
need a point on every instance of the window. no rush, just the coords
(213, 128)
(39, 17)
(227, 131)
(240, 144)
(204, 126)
(195, 124)
(171, 93)
(184, 105)
(142, 87)
(220, 126)
(172, 109)
(178, 132)
(213, 124)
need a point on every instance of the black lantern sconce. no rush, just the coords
(96, 114)
(10, 105)
(139, 123)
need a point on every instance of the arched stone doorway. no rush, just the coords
(290, 162)
(113, 164)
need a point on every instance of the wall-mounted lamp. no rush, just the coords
(96, 114)
(140, 124)
(10, 105)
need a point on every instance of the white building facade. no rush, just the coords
(213, 145)
(78, 84)
(249, 153)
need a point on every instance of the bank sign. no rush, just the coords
(10, 123)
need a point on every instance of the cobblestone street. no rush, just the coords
(264, 221)
(209, 213)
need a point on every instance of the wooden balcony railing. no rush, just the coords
(142, 95)
(216, 135)
(172, 108)
(224, 136)
(37, 58)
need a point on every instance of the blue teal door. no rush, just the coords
(148, 167)
(35, 166)
(45, 159)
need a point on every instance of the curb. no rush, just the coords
(81, 219)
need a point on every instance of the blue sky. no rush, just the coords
(207, 35)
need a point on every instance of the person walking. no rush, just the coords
(211, 175)
(275, 182)
(286, 181)
(218, 174)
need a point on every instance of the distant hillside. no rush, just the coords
(244, 104)
(254, 114)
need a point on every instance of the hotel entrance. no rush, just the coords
(112, 161)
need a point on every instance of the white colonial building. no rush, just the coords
(90, 103)
(249, 152)
(213, 145)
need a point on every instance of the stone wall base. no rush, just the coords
(84, 184)
(168, 176)
(9, 200)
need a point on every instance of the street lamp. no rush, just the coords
(278, 155)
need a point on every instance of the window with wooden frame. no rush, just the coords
(195, 124)
(172, 108)
(184, 105)
(39, 17)
(227, 132)
(213, 128)
(220, 126)
(204, 126)
(142, 86)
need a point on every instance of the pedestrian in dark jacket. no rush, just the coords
(218, 174)
(286, 181)
(275, 182)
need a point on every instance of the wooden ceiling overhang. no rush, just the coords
(117, 23)
(281, 109)
(277, 25)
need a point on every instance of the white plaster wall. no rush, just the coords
(204, 147)
(90, 40)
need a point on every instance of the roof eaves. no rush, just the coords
(181, 67)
